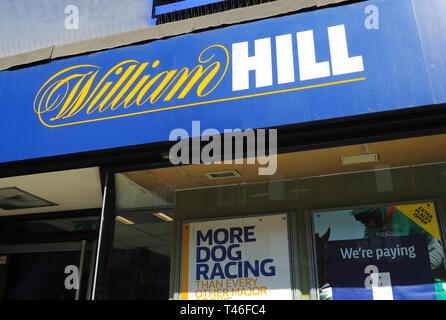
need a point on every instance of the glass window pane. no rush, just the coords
(375, 219)
(141, 254)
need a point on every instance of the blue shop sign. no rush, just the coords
(182, 5)
(299, 68)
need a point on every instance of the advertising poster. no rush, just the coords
(236, 259)
(384, 252)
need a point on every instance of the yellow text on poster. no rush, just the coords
(424, 215)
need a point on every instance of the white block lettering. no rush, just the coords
(341, 63)
(308, 67)
(261, 63)
(285, 59)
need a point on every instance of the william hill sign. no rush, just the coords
(133, 88)
(293, 69)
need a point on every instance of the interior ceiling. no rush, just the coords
(81, 188)
(68, 190)
(394, 153)
(154, 237)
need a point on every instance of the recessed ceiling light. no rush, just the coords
(163, 216)
(13, 198)
(124, 220)
(365, 158)
(222, 174)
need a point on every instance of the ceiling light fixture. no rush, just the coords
(12, 198)
(163, 216)
(365, 158)
(124, 220)
(222, 174)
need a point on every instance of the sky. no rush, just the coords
(27, 25)
(343, 225)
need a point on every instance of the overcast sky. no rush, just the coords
(27, 25)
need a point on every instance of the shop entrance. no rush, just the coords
(49, 226)
(47, 271)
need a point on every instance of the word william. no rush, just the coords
(77, 94)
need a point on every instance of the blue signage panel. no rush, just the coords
(432, 26)
(389, 268)
(182, 5)
(336, 62)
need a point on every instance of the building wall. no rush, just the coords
(108, 28)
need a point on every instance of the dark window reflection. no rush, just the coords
(139, 274)
(36, 276)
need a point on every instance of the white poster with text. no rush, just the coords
(245, 258)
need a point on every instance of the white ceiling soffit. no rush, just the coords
(130, 195)
(68, 190)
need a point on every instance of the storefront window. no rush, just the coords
(49, 225)
(217, 227)
(140, 257)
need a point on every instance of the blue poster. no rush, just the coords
(381, 268)
(381, 252)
